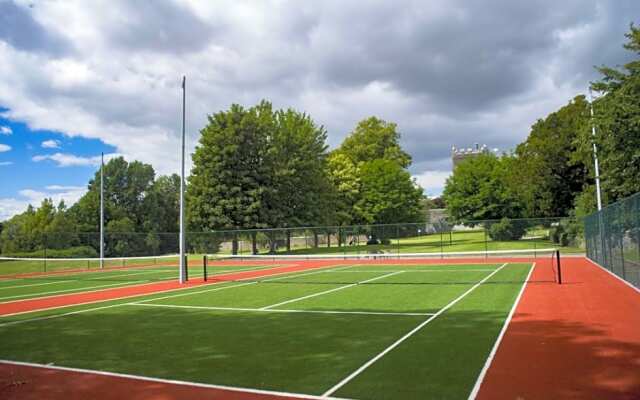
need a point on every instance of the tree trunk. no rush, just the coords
(234, 245)
(254, 243)
(288, 241)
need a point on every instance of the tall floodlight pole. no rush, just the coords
(183, 266)
(595, 153)
(102, 210)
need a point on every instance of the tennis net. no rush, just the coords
(411, 268)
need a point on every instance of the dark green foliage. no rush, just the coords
(70, 252)
(135, 203)
(547, 173)
(256, 168)
(617, 119)
(368, 172)
(388, 194)
(375, 139)
(479, 190)
(507, 229)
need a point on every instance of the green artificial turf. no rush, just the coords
(295, 352)
(51, 285)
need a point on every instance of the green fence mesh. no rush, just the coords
(612, 238)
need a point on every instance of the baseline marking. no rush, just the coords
(168, 381)
(408, 335)
(330, 290)
(494, 350)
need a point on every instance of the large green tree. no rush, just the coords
(388, 194)
(374, 139)
(479, 189)
(372, 148)
(617, 119)
(229, 174)
(548, 174)
(257, 168)
(298, 190)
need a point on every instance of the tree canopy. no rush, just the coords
(368, 173)
(479, 190)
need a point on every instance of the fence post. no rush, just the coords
(398, 239)
(486, 243)
(44, 239)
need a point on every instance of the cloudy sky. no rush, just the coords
(79, 78)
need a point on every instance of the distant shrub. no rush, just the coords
(71, 252)
(507, 229)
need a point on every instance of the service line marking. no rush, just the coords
(366, 365)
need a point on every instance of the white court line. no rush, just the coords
(485, 368)
(171, 381)
(165, 271)
(242, 284)
(81, 290)
(35, 284)
(330, 290)
(280, 310)
(126, 297)
(419, 271)
(408, 335)
(612, 274)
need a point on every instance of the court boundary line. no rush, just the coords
(169, 381)
(25, 296)
(612, 274)
(10, 323)
(422, 270)
(485, 368)
(150, 294)
(59, 281)
(395, 344)
(350, 285)
(301, 311)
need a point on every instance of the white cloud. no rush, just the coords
(3, 163)
(61, 187)
(5, 130)
(15, 205)
(4, 148)
(432, 181)
(51, 144)
(71, 160)
(448, 72)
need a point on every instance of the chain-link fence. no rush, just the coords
(612, 238)
(438, 236)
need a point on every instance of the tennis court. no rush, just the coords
(367, 329)
(83, 275)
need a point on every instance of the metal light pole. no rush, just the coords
(102, 210)
(183, 266)
(595, 153)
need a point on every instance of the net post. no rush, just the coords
(204, 267)
(186, 268)
(558, 267)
